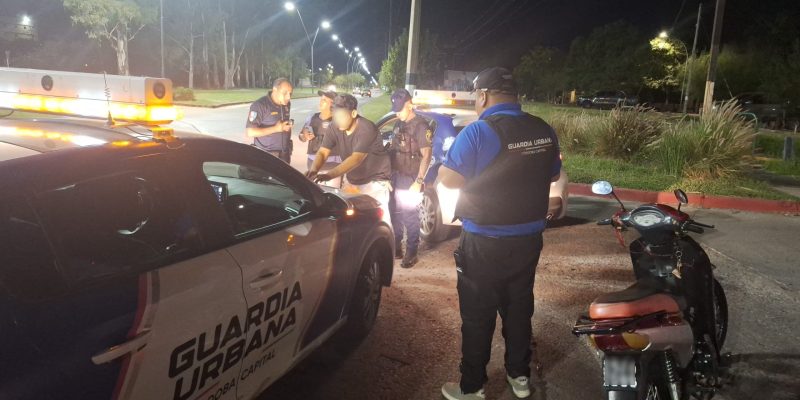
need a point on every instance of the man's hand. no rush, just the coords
(286, 126)
(416, 187)
(311, 174)
(308, 135)
(322, 178)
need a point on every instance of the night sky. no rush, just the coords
(472, 33)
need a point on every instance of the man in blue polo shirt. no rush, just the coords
(503, 164)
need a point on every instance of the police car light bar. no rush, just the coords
(442, 98)
(131, 99)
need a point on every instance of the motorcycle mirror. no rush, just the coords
(681, 196)
(602, 188)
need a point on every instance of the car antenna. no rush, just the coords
(107, 90)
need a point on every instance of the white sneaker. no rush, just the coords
(452, 391)
(521, 386)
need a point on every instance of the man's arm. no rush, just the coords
(425, 162)
(450, 178)
(269, 130)
(347, 165)
(322, 156)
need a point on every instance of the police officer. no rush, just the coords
(411, 156)
(314, 131)
(365, 162)
(268, 122)
(504, 164)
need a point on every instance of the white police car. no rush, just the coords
(449, 113)
(137, 264)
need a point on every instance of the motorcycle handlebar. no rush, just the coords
(606, 221)
(693, 228)
(702, 225)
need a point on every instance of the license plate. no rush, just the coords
(619, 372)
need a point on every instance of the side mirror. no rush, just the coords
(333, 204)
(681, 196)
(602, 188)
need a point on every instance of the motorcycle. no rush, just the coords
(661, 338)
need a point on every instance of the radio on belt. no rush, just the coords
(139, 100)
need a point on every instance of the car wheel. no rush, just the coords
(431, 227)
(366, 300)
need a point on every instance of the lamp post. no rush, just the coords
(323, 25)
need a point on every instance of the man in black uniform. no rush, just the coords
(503, 164)
(411, 156)
(268, 122)
(314, 131)
(365, 159)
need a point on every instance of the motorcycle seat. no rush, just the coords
(642, 298)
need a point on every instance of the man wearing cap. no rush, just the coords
(314, 131)
(365, 164)
(503, 164)
(269, 124)
(411, 156)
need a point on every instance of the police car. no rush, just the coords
(141, 263)
(449, 112)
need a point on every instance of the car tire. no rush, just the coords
(366, 301)
(431, 227)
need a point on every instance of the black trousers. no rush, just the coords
(495, 275)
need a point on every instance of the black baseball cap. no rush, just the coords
(345, 101)
(329, 94)
(495, 78)
(399, 99)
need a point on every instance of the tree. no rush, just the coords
(349, 81)
(609, 58)
(429, 67)
(115, 21)
(182, 32)
(664, 68)
(540, 73)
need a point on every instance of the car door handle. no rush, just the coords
(266, 280)
(112, 353)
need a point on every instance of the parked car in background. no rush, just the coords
(770, 114)
(607, 99)
(366, 93)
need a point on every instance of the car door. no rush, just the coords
(285, 248)
(144, 299)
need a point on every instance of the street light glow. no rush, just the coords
(663, 34)
(289, 6)
(325, 25)
(26, 20)
(356, 49)
(341, 45)
(335, 37)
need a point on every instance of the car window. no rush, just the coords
(252, 198)
(26, 257)
(118, 222)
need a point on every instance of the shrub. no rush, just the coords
(713, 146)
(183, 94)
(772, 145)
(574, 131)
(625, 132)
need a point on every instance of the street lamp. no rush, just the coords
(289, 6)
(663, 35)
(25, 20)
(335, 37)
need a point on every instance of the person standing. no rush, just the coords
(411, 157)
(269, 124)
(365, 164)
(314, 131)
(504, 164)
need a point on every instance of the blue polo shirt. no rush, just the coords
(473, 150)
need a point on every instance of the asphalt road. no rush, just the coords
(229, 123)
(414, 347)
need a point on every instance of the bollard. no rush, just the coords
(788, 148)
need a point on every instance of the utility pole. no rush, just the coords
(708, 99)
(689, 70)
(413, 46)
(162, 39)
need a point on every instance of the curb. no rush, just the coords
(699, 200)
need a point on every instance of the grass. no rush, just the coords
(376, 108)
(546, 111)
(781, 167)
(587, 169)
(210, 98)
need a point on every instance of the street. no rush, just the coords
(414, 347)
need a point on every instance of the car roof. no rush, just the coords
(21, 138)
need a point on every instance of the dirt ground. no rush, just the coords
(415, 345)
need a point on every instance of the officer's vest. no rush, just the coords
(406, 154)
(514, 189)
